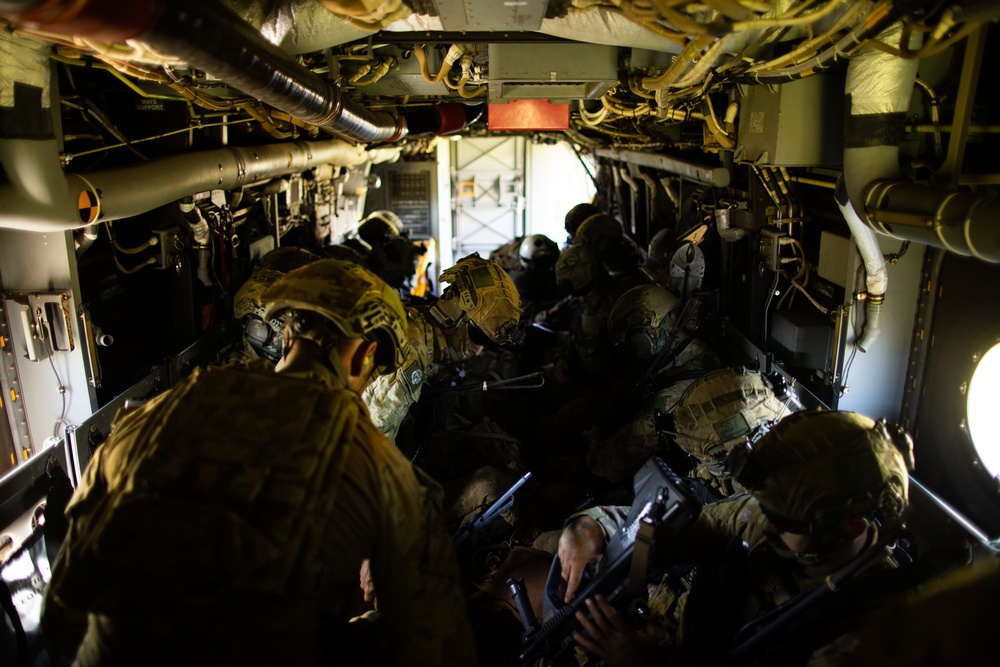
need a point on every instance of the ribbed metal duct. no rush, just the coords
(210, 37)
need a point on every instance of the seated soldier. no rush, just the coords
(390, 254)
(824, 486)
(595, 270)
(717, 410)
(664, 360)
(262, 338)
(480, 301)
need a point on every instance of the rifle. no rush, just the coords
(663, 504)
(489, 513)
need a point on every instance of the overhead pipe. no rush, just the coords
(70, 201)
(961, 222)
(211, 37)
(39, 196)
(878, 89)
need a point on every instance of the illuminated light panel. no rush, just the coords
(528, 115)
(984, 397)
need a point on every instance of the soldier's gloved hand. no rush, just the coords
(581, 545)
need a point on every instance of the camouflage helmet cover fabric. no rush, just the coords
(482, 292)
(819, 467)
(642, 318)
(273, 265)
(601, 231)
(723, 406)
(358, 302)
(248, 298)
(576, 268)
(260, 333)
(576, 215)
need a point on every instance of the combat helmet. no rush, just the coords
(721, 409)
(358, 302)
(601, 231)
(261, 334)
(576, 215)
(576, 268)
(538, 253)
(378, 226)
(482, 293)
(388, 251)
(817, 468)
(642, 318)
(660, 246)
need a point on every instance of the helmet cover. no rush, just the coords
(720, 407)
(641, 318)
(576, 215)
(819, 467)
(576, 268)
(483, 293)
(601, 231)
(357, 301)
(260, 333)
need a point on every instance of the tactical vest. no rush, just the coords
(224, 486)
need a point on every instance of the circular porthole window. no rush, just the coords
(984, 397)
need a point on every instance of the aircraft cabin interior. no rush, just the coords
(815, 180)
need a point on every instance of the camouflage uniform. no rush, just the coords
(582, 269)
(618, 457)
(238, 506)
(809, 474)
(508, 255)
(390, 396)
(438, 335)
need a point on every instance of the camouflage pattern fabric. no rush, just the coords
(856, 467)
(774, 580)
(591, 339)
(211, 524)
(390, 396)
(508, 255)
(482, 292)
(619, 456)
(359, 302)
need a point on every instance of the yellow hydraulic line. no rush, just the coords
(813, 181)
(118, 75)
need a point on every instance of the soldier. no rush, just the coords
(390, 254)
(530, 262)
(715, 412)
(645, 325)
(226, 520)
(824, 486)
(575, 217)
(481, 297)
(594, 269)
(262, 338)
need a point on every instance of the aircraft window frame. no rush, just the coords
(981, 401)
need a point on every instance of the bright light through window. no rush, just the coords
(984, 397)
